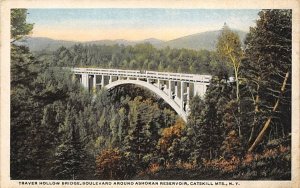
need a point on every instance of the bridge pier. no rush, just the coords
(158, 83)
(94, 83)
(176, 89)
(199, 89)
(102, 81)
(187, 97)
(188, 92)
(170, 89)
(182, 95)
(85, 80)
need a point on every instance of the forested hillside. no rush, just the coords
(238, 130)
(199, 41)
(138, 57)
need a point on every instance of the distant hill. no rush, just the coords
(153, 41)
(43, 43)
(205, 40)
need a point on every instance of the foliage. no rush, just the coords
(229, 50)
(19, 27)
(257, 166)
(169, 143)
(111, 164)
(138, 57)
(221, 127)
(24, 112)
(272, 164)
(267, 72)
(206, 130)
(232, 145)
(145, 123)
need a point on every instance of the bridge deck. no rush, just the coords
(144, 74)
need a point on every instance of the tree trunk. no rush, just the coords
(256, 110)
(237, 85)
(238, 99)
(268, 122)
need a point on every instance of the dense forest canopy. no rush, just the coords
(138, 57)
(238, 130)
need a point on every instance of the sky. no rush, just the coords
(134, 24)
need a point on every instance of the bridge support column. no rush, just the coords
(148, 80)
(94, 83)
(170, 89)
(85, 80)
(187, 108)
(176, 89)
(102, 81)
(110, 79)
(199, 89)
(182, 95)
(188, 91)
(158, 83)
(164, 85)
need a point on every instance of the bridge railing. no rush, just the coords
(145, 74)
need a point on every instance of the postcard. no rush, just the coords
(149, 94)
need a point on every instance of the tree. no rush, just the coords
(210, 122)
(36, 111)
(232, 145)
(111, 164)
(114, 128)
(19, 27)
(168, 144)
(230, 50)
(135, 139)
(268, 59)
(70, 157)
(190, 140)
(25, 111)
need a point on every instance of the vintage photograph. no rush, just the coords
(150, 94)
(186, 95)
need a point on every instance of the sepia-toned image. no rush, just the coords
(183, 96)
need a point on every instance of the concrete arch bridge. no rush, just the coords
(175, 88)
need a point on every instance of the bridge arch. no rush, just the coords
(174, 88)
(154, 89)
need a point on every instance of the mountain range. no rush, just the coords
(206, 40)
